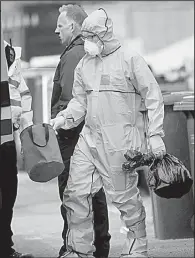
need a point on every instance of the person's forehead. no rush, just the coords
(62, 19)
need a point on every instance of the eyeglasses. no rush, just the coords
(90, 36)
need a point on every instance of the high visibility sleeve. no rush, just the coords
(6, 130)
(26, 98)
(20, 95)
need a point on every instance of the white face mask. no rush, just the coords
(92, 48)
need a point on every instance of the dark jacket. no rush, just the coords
(63, 82)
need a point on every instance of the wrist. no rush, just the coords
(16, 126)
(155, 136)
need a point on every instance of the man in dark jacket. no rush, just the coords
(68, 28)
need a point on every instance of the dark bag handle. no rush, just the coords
(46, 135)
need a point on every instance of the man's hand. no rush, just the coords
(57, 122)
(16, 114)
(157, 146)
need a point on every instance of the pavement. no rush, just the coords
(37, 224)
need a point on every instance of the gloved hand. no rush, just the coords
(16, 114)
(157, 146)
(57, 122)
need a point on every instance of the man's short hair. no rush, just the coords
(74, 12)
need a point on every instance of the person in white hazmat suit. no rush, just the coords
(109, 86)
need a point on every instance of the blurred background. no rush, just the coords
(161, 31)
(148, 26)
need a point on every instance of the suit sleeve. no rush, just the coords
(151, 94)
(26, 98)
(68, 65)
(75, 112)
(63, 80)
(56, 91)
(20, 95)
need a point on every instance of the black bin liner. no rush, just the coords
(167, 177)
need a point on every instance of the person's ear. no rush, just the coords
(73, 25)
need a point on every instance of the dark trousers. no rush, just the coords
(8, 188)
(101, 222)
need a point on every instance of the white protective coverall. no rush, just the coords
(104, 95)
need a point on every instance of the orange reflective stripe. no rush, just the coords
(15, 103)
(14, 82)
(25, 93)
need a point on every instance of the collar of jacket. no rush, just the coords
(75, 42)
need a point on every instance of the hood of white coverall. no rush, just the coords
(18, 52)
(98, 23)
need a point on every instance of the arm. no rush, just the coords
(151, 94)
(75, 112)
(26, 104)
(20, 96)
(26, 98)
(63, 80)
(56, 92)
(14, 80)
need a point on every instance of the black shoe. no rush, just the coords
(19, 255)
(62, 251)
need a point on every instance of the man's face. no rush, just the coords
(12, 56)
(64, 29)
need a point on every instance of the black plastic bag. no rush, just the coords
(136, 159)
(169, 178)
